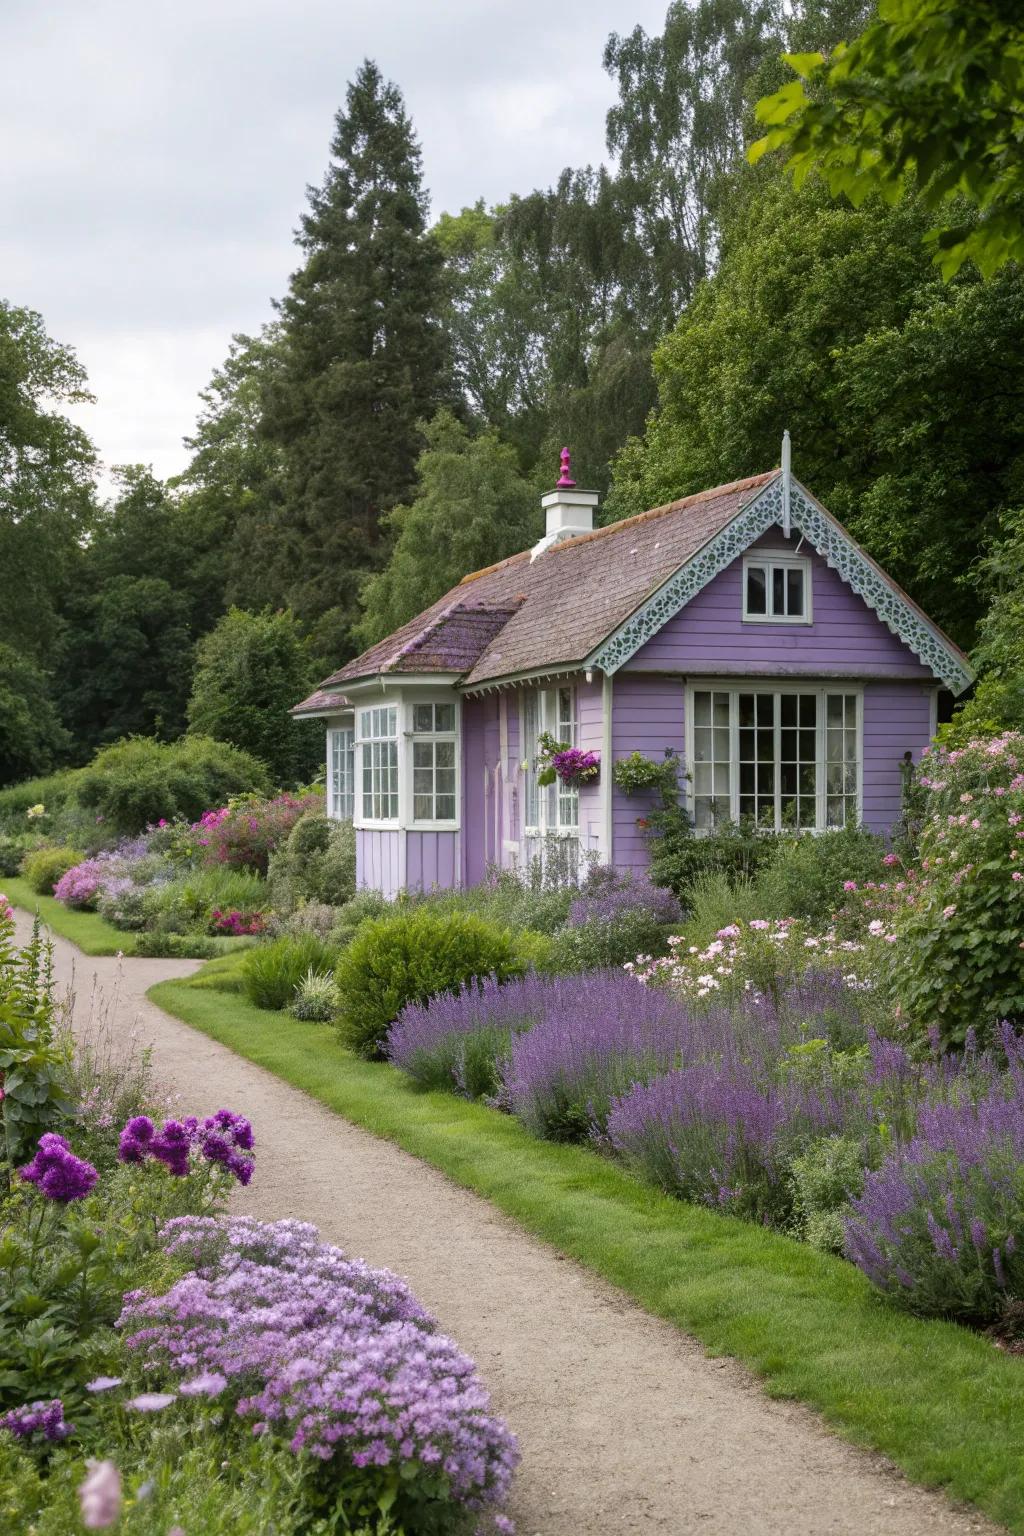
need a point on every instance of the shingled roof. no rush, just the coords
(521, 617)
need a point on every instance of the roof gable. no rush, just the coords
(884, 596)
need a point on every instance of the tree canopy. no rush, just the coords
(929, 96)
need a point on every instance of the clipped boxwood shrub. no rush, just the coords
(44, 868)
(138, 782)
(411, 957)
(273, 971)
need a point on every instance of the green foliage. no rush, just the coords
(362, 361)
(31, 735)
(31, 1056)
(805, 878)
(46, 471)
(250, 670)
(411, 957)
(272, 972)
(679, 858)
(717, 899)
(316, 864)
(43, 868)
(362, 908)
(137, 782)
(824, 1179)
(472, 508)
(158, 945)
(187, 903)
(13, 850)
(997, 703)
(833, 319)
(53, 791)
(639, 775)
(931, 92)
(962, 933)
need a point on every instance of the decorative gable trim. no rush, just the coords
(838, 550)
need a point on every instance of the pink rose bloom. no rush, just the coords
(100, 1495)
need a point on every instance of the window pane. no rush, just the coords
(795, 592)
(835, 709)
(422, 754)
(721, 745)
(444, 754)
(423, 717)
(702, 780)
(445, 778)
(757, 601)
(446, 808)
(808, 709)
(778, 589)
(702, 744)
(746, 709)
(702, 709)
(788, 708)
(423, 807)
(444, 717)
(721, 703)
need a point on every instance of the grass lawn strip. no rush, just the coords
(92, 934)
(938, 1400)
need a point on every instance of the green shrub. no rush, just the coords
(13, 850)
(805, 879)
(411, 957)
(174, 946)
(141, 781)
(43, 868)
(679, 858)
(52, 791)
(188, 904)
(314, 998)
(316, 864)
(364, 907)
(272, 972)
(824, 1180)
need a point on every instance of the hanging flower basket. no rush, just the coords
(567, 764)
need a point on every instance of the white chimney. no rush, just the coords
(567, 511)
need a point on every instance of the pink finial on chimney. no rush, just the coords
(566, 482)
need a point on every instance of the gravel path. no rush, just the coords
(626, 1427)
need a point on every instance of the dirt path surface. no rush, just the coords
(625, 1426)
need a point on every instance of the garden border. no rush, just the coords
(938, 1400)
(92, 934)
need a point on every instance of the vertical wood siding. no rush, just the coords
(476, 792)
(897, 719)
(647, 717)
(709, 634)
(432, 860)
(589, 717)
(378, 864)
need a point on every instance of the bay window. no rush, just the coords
(341, 773)
(378, 745)
(785, 757)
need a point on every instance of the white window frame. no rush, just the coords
(734, 688)
(770, 560)
(558, 805)
(366, 739)
(341, 772)
(407, 801)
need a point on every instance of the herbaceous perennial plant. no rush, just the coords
(338, 1358)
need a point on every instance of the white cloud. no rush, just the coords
(155, 160)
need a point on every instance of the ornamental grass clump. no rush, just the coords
(337, 1359)
(598, 1034)
(940, 1225)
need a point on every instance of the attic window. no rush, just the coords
(777, 589)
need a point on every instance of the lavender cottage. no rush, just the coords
(742, 627)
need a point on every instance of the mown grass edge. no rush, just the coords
(90, 932)
(941, 1402)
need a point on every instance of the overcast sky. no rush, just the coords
(154, 158)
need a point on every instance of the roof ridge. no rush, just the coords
(485, 570)
(694, 499)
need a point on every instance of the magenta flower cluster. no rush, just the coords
(338, 1357)
(574, 766)
(237, 923)
(39, 1418)
(224, 1138)
(57, 1173)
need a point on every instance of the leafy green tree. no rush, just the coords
(472, 507)
(32, 738)
(904, 396)
(251, 669)
(930, 96)
(998, 700)
(133, 621)
(46, 480)
(363, 360)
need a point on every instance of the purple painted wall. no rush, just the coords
(647, 717)
(897, 719)
(378, 861)
(476, 785)
(432, 859)
(846, 638)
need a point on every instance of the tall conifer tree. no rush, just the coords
(363, 361)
